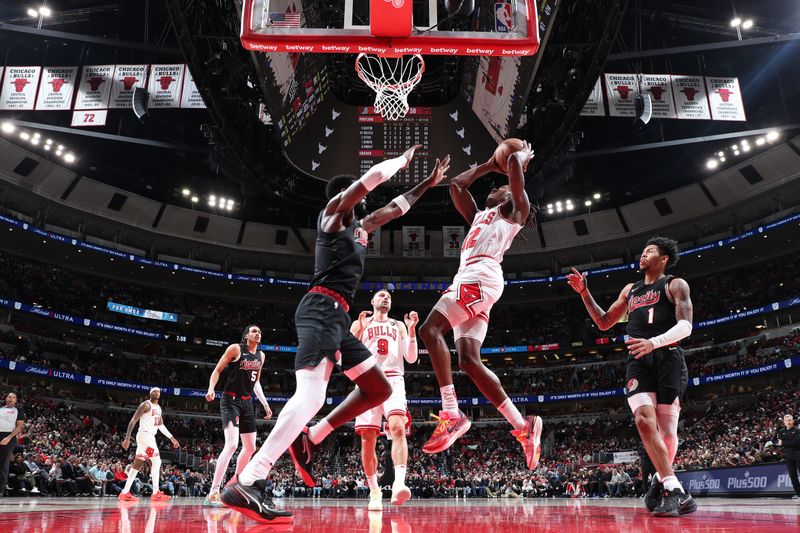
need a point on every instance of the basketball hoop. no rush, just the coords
(392, 79)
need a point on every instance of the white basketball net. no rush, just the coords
(392, 79)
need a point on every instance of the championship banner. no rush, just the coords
(595, 104)
(660, 90)
(126, 79)
(690, 97)
(622, 89)
(725, 98)
(95, 87)
(452, 238)
(56, 88)
(374, 243)
(19, 88)
(190, 97)
(413, 241)
(165, 85)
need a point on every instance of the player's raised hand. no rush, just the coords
(577, 281)
(364, 320)
(638, 348)
(525, 155)
(409, 155)
(438, 174)
(210, 396)
(411, 319)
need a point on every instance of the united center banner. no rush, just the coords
(94, 87)
(690, 97)
(374, 243)
(452, 238)
(413, 241)
(725, 98)
(56, 87)
(660, 90)
(165, 85)
(622, 89)
(126, 79)
(19, 88)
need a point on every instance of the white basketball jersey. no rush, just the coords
(489, 237)
(151, 419)
(383, 339)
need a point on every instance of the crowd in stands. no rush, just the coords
(200, 316)
(70, 450)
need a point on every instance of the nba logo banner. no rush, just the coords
(19, 88)
(452, 237)
(55, 88)
(504, 17)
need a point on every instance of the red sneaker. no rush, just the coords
(530, 437)
(160, 497)
(450, 428)
(127, 497)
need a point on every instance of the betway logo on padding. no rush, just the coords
(334, 48)
(480, 51)
(516, 52)
(299, 48)
(443, 50)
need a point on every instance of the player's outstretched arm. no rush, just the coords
(380, 173)
(462, 198)
(141, 410)
(400, 205)
(604, 319)
(517, 165)
(232, 352)
(164, 431)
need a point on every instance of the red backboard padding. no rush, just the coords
(391, 18)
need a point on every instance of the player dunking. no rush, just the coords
(392, 342)
(150, 419)
(240, 370)
(465, 306)
(659, 316)
(324, 337)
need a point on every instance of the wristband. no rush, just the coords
(402, 203)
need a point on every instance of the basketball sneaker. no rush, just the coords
(450, 428)
(400, 494)
(675, 503)
(375, 500)
(255, 503)
(160, 497)
(653, 497)
(530, 437)
(213, 500)
(127, 497)
(302, 452)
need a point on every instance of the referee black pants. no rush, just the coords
(6, 453)
(792, 465)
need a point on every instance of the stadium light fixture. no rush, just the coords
(47, 147)
(587, 203)
(32, 12)
(559, 209)
(746, 148)
(559, 204)
(549, 206)
(772, 136)
(720, 154)
(736, 22)
(760, 141)
(212, 202)
(8, 127)
(34, 140)
(195, 199)
(570, 207)
(24, 136)
(185, 192)
(711, 164)
(722, 159)
(736, 152)
(58, 152)
(747, 24)
(596, 196)
(69, 157)
(45, 11)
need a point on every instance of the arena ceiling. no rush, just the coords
(224, 151)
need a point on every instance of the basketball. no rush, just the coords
(504, 151)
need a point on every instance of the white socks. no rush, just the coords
(372, 481)
(318, 432)
(449, 400)
(132, 473)
(399, 475)
(155, 470)
(672, 483)
(512, 414)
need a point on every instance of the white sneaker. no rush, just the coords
(400, 494)
(35, 490)
(375, 500)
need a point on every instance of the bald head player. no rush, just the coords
(659, 312)
(323, 332)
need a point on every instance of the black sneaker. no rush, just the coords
(302, 452)
(675, 503)
(652, 498)
(254, 502)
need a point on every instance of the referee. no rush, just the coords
(789, 439)
(11, 421)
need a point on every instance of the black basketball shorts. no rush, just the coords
(662, 371)
(323, 330)
(241, 412)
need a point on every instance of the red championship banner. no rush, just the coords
(56, 88)
(191, 99)
(660, 90)
(19, 88)
(725, 98)
(595, 104)
(94, 87)
(374, 244)
(690, 97)
(452, 238)
(166, 82)
(126, 79)
(622, 89)
(413, 241)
